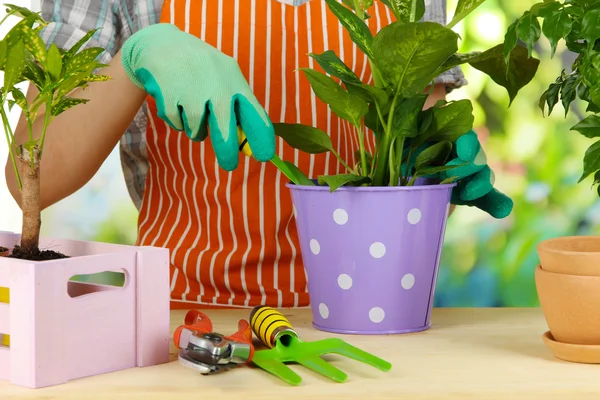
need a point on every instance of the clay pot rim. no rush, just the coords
(571, 276)
(547, 245)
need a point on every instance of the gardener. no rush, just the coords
(226, 218)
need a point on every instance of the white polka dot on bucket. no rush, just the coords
(340, 216)
(408, 281)
(323, 310)
(345, 281)
(377, 250)
(376, 314)
(414, 216)
(315, 247)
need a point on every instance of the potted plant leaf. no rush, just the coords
(568, 276)
(371, 237)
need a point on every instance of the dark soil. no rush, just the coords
(35, 255)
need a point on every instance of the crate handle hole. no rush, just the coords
(81, 285)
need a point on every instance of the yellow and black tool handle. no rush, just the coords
(269, 325)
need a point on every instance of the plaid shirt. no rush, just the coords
(118, 20)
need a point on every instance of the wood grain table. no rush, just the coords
(469, 353)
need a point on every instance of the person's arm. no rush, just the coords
(79, 140)
(435, 11)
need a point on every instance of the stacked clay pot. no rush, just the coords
(568, 286)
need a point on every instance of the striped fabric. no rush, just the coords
(232, 235)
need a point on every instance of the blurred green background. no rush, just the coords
(486, 262)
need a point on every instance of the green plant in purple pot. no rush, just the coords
(371, 236)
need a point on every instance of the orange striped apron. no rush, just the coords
(232, 235)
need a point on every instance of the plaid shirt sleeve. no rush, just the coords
(70, 20)
(435, 11)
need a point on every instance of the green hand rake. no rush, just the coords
(276, 332)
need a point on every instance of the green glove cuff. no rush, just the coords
(137, 42)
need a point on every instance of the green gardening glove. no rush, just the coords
(475, 179)
(198, 89)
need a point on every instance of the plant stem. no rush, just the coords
(47, 120)
(396, 165)
(10, 138)
(30, 200)
(341, 160)
(363, 155)
(385, 145)
(413, 11)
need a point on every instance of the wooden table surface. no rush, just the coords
(467, 354)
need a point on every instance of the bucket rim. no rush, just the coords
(364, 189)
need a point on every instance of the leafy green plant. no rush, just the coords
(577, 23)
(55, 73)
(405, 57)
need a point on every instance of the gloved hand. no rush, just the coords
(198, 87)
(475, 179)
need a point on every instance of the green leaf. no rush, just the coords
(436, 154)
(75, 48)
(65, 103)
(550, 96)
(529, 31)
(450, 121)
(54, 61)
(304, 138)
(336, 181)
(448, 180)
(402, 9)
(406, 116)
(510, 40)
(365, 4)
(409, 54)
(436, 170)
(591, 161)
(521, 68)
(588, 127)
(345, 105)
(33, 73)
(15, 64)
(464, 8)
(20, 99)
(546, 8)
(590, 27)
(374, 93)
(359, 31)
(97, 78)
(83, 61)
(556, 26)
(456, 60)
(297, 176)
(3, 53)
(332, 65)
(567, 92)
(34, 44)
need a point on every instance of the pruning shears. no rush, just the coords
(208, 352)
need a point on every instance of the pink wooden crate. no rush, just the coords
(62, 330)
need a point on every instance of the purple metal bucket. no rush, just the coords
(371, 254)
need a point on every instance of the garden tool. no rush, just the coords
(276, 332)
(208, 352)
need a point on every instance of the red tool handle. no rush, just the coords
(244, 335)
(194, 321)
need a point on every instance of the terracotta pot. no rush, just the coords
(571, 306)
(4, 251)
(573, 255)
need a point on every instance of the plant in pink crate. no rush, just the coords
(55, 73)
(371, 236)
